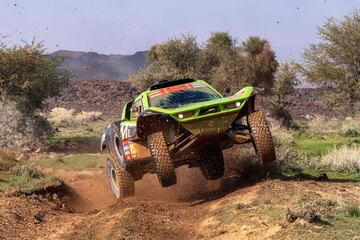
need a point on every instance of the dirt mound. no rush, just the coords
(254, 211)
(87, 190)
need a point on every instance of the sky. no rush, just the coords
(124, 27)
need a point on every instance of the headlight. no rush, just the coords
(185, 115)
(232, 105)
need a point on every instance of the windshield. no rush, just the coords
(173, 97)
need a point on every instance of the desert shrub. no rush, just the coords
(280, 134)
(319, 125)
(345, 158)
(284, 142)
(87, 116)
(27, 77)
(15, 127)
(61, 116)
(351, 133)
(284, 81)
(23, 179)
(353, 211)
(310, 210)
(7, 159)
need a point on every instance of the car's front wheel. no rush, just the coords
(212, 162)
(115, 146)
(162, 160)
(121, 181)
(262, 139)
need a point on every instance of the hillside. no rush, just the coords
(107, 97)
(91, 65)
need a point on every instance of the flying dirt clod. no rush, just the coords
(181, 122)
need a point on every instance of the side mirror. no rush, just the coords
(226, 91)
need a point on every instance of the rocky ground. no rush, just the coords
(108, 96)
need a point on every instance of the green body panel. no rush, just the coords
(193, 119)
(210, 126)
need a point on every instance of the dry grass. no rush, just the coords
(87, 116)
(280, 134)
(343, 158)
(61, 116)
(321, 124)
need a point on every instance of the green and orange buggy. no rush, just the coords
(181, 122)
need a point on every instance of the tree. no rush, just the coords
(27, 77)
(260, 63)
(285, 78)
(176, 58)
(220, 61)
(334, 63)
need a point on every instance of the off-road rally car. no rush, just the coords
(181, 122)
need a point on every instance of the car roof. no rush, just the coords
(170, 83)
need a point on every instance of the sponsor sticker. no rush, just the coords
(127, 151)
(164, 91)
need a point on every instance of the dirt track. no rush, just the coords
(185, 211)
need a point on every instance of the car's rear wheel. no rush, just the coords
(121, 181)
(262, 139)
(115, 146)
(162, 160)
(212, 162)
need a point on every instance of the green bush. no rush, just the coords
(353, 211)
(27, 77)
(221, 61)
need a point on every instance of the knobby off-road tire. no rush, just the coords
(162, 159)
(212, 162)
(121, 181)
(262, 139)
(115, 146)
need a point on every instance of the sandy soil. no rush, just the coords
(185, 211)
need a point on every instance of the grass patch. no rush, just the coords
(238, 213)
(316, 146)
(317, 171)
(72, 161)
(353, 211)
(91, 131)
(338, 227)
(27, 180)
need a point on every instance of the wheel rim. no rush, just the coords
(112, 178)
(118, 151)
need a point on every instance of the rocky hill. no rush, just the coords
(108, 96)
(91, 65)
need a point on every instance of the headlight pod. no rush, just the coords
(232, 105)
(185, 115)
